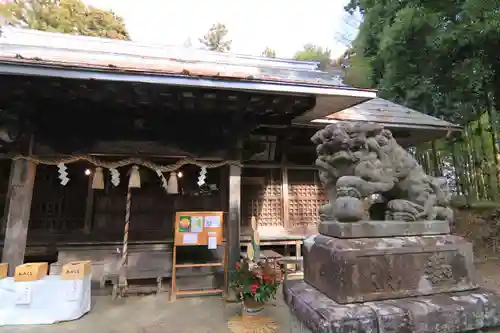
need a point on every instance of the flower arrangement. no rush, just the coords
(257, 281)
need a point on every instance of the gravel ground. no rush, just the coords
(489, 274)
(151, 314)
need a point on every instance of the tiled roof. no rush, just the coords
(379, 110)
(36, 53)
(30, 46)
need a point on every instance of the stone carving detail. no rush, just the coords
(384, 275)
(368, 176)
(438, 271)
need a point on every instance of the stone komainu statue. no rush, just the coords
(369, 176)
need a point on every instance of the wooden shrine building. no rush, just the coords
(103, 101)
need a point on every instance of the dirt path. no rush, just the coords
(489, 274)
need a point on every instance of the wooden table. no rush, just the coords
(265, 255)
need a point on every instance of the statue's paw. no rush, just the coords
(349, 209)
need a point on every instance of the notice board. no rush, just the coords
(201, 228)
(196, 228)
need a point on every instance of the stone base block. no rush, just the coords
(374, 269)
(312, 311)
(367, 229)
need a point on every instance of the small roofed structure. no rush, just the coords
(409, 127)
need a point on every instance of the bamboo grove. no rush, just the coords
(439, 58)
(469, 160)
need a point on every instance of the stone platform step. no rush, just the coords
(312, 311)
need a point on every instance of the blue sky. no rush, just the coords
(282, 25)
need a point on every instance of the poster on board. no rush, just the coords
(190, 239)
(212, 221)
(197, 224)
(184, 223)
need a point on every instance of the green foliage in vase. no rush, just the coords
(259, 281)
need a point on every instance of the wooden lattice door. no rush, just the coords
(261, 196)
(58, 209)
(306, 195)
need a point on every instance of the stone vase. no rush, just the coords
(251, 306)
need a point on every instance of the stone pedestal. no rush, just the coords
(378, 229)
(401, 282)
(372, 269)
(312, 311)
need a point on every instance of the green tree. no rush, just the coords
(436, 57)
(215, 38)
(356, 70)
(314, 52)
(440, 58)
(66, 16)
(269, 53)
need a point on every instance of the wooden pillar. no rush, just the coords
(89, 207)
(285, 199)
(234, 223)
(20, 192)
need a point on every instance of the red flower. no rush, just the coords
(238, 265)
(267, 278)
(253, 288)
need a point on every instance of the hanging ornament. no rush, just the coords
(202, 176)
(172, 187)
(135, 178)
(115, 177)
(98, 180)
(163, 179)
(63, 175)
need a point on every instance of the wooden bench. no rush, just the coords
(145, 262)
(292, 260)
(264, 255)
(140, 266)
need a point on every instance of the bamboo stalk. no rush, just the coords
(492, 191)
(494, 138)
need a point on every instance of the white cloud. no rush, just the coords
(282, 25)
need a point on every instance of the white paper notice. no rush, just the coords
(212, 221)
(73, 290)
(190, 239)
(212, 240)
(23, 293)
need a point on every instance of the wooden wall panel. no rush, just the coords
(306, 195)
(58, 209)
(261, 195)
(58, 212)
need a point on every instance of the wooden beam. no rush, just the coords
(20, 192)
(234, 224)
(279, 166)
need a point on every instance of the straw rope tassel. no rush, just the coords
(127, 225)
(124, 262)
